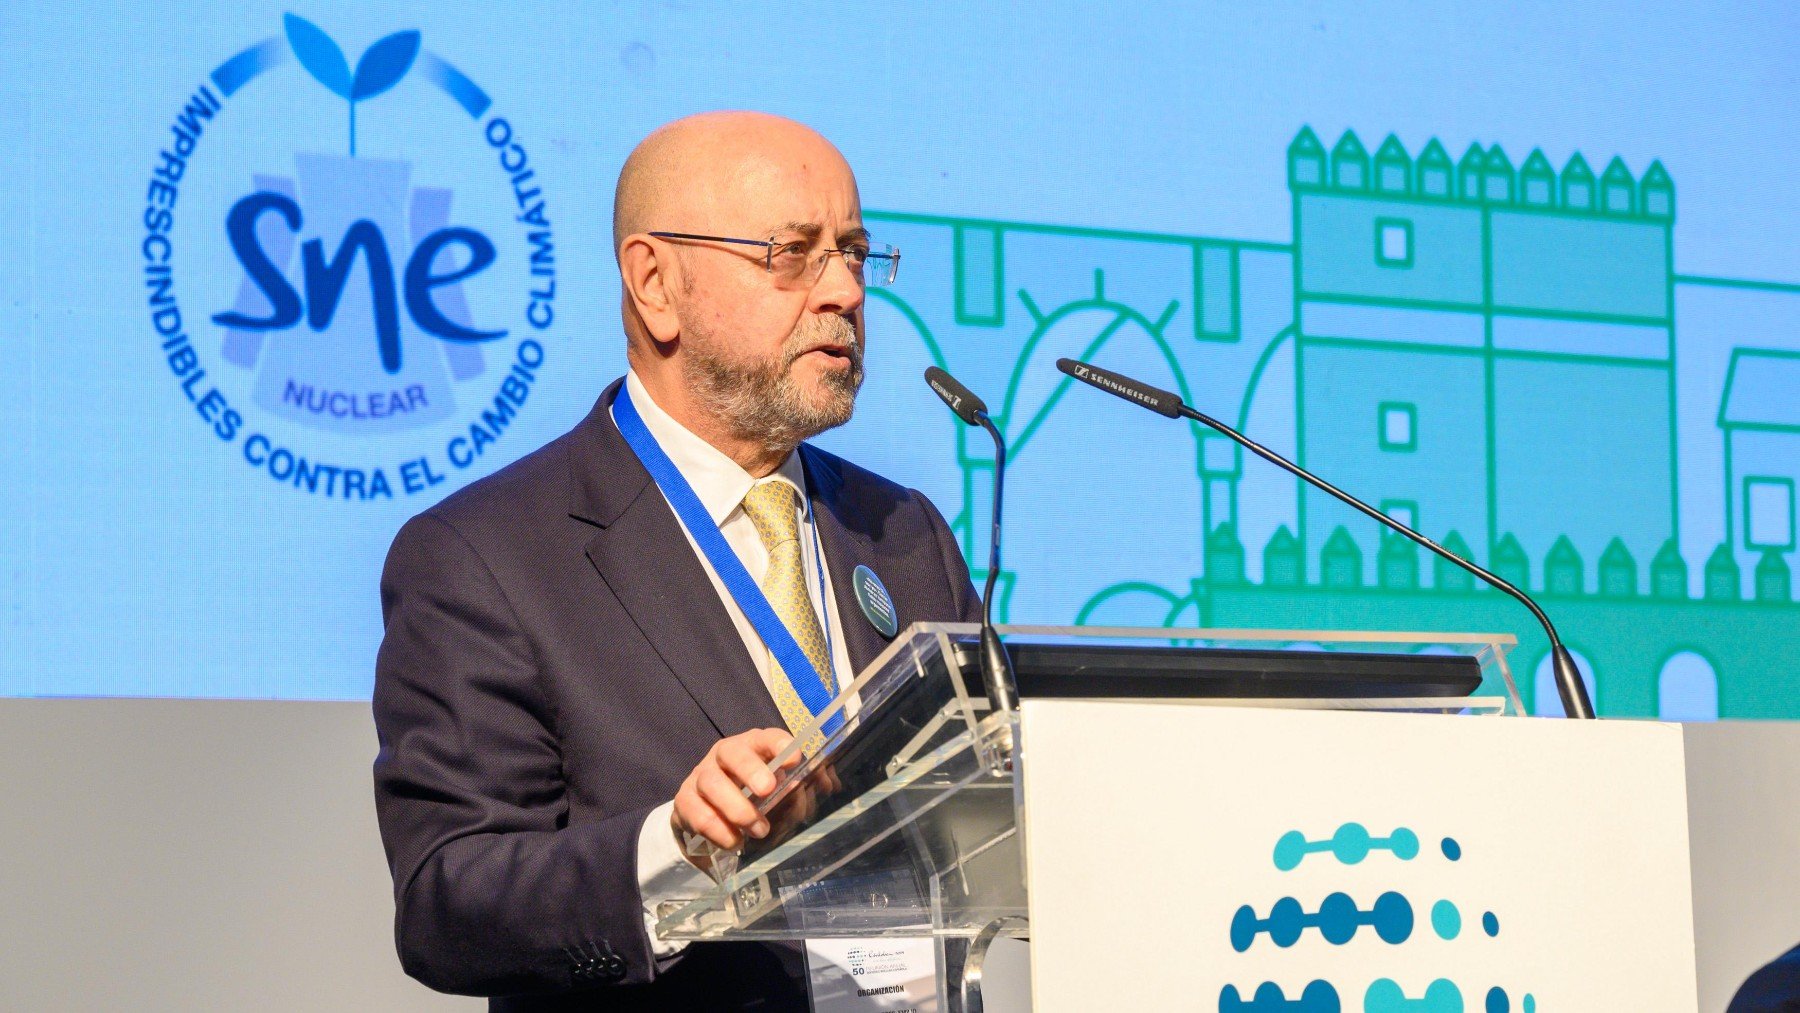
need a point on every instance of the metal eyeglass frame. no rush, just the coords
(885, 259)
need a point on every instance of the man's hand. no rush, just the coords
(802, 803)
(711, 801)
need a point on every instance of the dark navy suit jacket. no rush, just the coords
(555, 662)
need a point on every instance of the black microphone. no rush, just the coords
(996, 665)
(1569, 684)
(961, 400)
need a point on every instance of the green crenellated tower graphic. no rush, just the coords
(1486, 349)
(1492, 359)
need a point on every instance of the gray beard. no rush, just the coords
(759, 400)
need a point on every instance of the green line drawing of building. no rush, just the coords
(1760, 417)
(1489, 352)
(1522, 342)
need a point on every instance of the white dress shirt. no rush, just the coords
(720, 485)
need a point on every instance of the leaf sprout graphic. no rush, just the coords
(380, 68)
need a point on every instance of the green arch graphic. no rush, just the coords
(1256, 372)
(1123, 315)
(960, 522)
(1177, 603)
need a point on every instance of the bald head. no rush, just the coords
(711, 171)
(751, 358)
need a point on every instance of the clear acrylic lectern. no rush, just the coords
(909, 820)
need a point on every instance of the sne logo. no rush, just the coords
(342, 317)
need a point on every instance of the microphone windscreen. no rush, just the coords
(1156, 399)
(961, 400)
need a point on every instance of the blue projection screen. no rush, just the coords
(1524, 274)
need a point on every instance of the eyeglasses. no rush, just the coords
(794, 264)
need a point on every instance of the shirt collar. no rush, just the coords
(719, 482)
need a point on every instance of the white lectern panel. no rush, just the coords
(1185, 857)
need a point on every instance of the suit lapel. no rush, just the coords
(647, 563)
(846, 546)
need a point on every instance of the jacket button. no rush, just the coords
(595, 963)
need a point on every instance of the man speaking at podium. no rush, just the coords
(579, 662)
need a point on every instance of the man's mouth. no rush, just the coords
(842, 352)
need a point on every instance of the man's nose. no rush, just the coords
(838, 289)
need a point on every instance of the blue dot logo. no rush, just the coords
(1446, 921)
(1350, 844)
(1339, 919)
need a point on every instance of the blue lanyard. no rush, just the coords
(808, 681)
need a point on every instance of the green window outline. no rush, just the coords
(1412, 425)
(1411, 520)
(1775, 480)
(965, 315)
(1381, 257)
(1204, 293)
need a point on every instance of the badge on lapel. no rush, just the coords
(875, 602)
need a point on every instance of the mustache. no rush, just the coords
(833, 332)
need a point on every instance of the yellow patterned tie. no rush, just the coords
(774, 508)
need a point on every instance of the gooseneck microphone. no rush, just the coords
(996, 666)
(1569, 685)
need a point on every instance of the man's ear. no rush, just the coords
(651, 279)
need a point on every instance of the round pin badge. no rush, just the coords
(875, 602)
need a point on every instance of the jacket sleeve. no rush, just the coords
(963, 598)
(495, 893)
